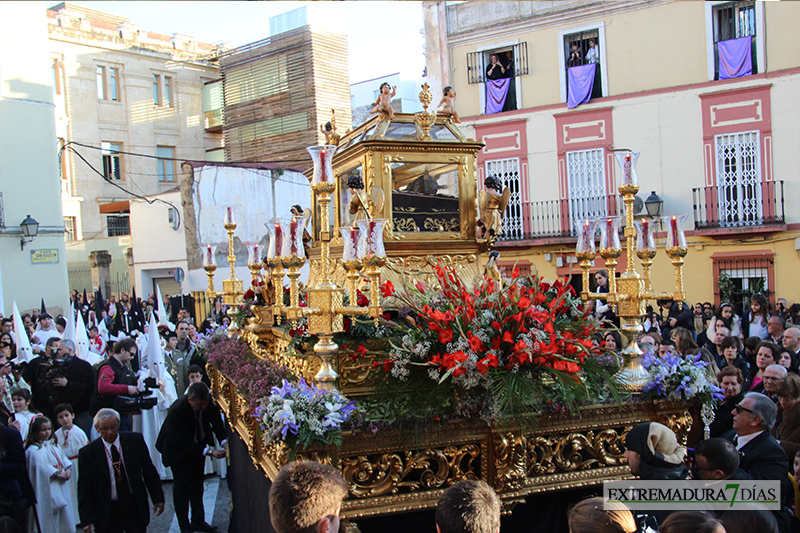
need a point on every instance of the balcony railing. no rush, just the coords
(556, 219)
(118, 226)
(739, 205)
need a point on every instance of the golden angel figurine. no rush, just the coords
(362, 205)
(490, 269)
(492, 205)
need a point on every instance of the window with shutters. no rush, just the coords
(587, 186)
(112, 160)
(507, 170)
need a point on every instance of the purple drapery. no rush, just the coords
(581, 82)
(735, 59)
(496, 92)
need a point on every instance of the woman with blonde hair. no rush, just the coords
(593, 516)
(684, 342)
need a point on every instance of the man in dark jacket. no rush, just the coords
(679, 315)
(118, 503)
(16, 490)
(186, 438)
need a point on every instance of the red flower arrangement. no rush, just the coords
(526, 329)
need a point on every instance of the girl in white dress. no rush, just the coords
(49, 470)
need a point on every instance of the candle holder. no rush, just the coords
(232, 288)
(325, 310)
(631, 290)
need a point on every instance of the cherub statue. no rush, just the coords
(448, 104)
(327, 131)
(384, 102)
(305, 216)
(492, 204)
(363, 206)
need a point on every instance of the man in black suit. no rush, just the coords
(16, 490)
(186, 438)
(113, 473)
(760, 455)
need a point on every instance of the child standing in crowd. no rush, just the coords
(49, 471)
(754, 323)
(70, 439)
(21, 400)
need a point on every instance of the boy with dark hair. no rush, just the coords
(305, 497)
(468, 507)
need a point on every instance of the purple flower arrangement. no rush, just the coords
(681, 378)
(253, 377)
(304, 414)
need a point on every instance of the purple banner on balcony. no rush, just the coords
(581, 81)
(496, 92)
(735, 59)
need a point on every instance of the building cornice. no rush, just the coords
(573, 13)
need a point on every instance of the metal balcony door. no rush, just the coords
(507, 170)
(586, 180)
(739, 179)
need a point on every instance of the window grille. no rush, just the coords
(587, 185)
(739, 179)
(69, 226)
(118, 225)
(737, 279)
(734, 20)
(478, 61)
(507, 170)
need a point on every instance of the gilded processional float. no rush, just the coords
(432, 366)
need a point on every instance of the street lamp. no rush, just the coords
(653, 205)
(30, 229)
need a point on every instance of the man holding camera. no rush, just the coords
(115, 380)
(58, 377)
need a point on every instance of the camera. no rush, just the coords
(50, 369)
(132, 404)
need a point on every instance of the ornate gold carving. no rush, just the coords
(511, 461)
(409, 471)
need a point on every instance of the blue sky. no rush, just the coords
(383, 37)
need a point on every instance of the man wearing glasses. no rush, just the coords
(760, 455)
(115, 475)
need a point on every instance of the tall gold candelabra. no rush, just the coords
(326, 310)
(232, 288)
(629, 293)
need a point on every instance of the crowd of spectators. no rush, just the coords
(56, 379)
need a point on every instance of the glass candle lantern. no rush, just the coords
(209, 256)
(323, 157)
(586, 231)
(627, 164)
(676, 236)
(278, 240)
(254, 254)
(609, 233)
(296, 237)
(371, 241)
(645, 238)
(350, 239)
(229, 216)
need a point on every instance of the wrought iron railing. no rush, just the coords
(118, 226)
(739, 205)
(557, 218)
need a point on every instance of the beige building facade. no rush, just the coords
(722, 151)
(129, 108)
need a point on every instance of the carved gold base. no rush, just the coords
(390, 472)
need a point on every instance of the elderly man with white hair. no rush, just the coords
(115, 474)
(773, 375)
